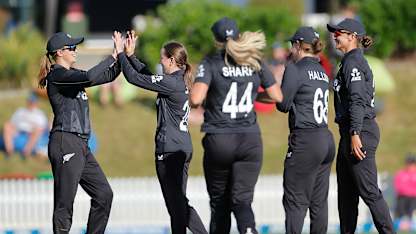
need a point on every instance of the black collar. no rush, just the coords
(357, 51)
(309, 59)
(179, 72)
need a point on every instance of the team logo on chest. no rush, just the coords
(337, 85)
(82, 95)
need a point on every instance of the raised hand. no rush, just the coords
(118, 42)
(130, 43)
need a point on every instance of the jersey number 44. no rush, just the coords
(245, 105)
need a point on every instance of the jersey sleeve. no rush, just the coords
(355, 83)
(104, 72)
(157, 83)
(290, 86)
(135, 62)
(266, 76)
(204, 73)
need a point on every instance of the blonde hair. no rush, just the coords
(246, 50)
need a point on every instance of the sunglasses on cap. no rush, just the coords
(70, 48)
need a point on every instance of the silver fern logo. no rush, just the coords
(67, 157)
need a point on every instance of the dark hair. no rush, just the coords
(45, 68)
(314, 48)
(178, 52)
(366, 41)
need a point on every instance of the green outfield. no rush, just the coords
(126, 135)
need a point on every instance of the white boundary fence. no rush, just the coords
(138, 206)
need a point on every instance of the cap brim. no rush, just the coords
(332, 28)
(290, 39)
(76, 41)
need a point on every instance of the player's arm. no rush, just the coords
(355, 82)
(200, 87)
(290, 86)
(272, 92)
(158, 83)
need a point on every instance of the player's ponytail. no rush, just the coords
(178, 52)
(315, 48)
(189, 76)
(45, 68)
(366, 41)
(246, 50)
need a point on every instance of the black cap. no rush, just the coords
(350, 25)
(225, 27)
(61, 39)
(305, 34)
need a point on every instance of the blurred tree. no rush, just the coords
(190, 21)
(21, 51)
(295, 6)
(391, 23)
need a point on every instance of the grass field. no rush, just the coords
(126, 135)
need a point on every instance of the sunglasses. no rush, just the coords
(340, 32)
(70, 48)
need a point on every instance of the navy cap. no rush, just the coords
(305, 34)
(61, 39)
(350, 25)
(225, 27)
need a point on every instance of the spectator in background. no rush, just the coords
(326, 64)
(278, 61)
(22, 133)
(115, 89)
(7, 24)
(405, 187)
(75, 21)
(277, 67)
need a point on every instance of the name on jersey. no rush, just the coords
(317, 75)
(237, 71)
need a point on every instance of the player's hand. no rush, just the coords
(130, 43)
(118, 42)
(114, 54)
(356, 147)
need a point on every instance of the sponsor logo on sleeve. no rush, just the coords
(201, 71)
(156, 78)
(355, 75)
